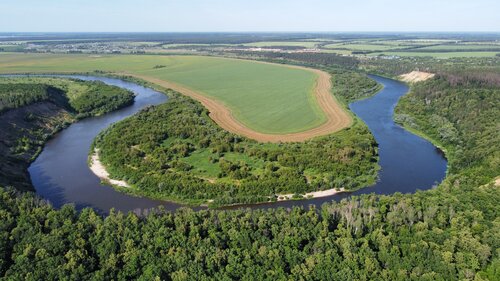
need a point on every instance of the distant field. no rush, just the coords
(322, 40)
(340, 52)
(11, 48)
(168, 46)
(441, 55)
(310, 44)
(360, 47)
(264, 97)
(471, 47)
(416, 47)
(404, 43)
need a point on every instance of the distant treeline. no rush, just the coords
(309, 59)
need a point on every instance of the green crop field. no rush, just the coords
(267, 98)
(11, 48)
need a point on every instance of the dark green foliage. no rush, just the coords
(316, 60)
(32, 109)
(149, 151)
(450, 233)
(393, 66)
(100, 98)
(460, 111)
(22, 94)
(87, 98)
(353, 86)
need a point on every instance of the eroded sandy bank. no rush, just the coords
(99, 170)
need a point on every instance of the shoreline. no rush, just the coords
(100, 171)
(416, 76)
(310, 195)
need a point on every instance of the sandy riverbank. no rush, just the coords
(315, 194)
(416, 76)
(99, 170)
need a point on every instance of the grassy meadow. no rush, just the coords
(267, 98)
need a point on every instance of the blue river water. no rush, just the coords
(61, 175)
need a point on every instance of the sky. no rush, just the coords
(248, 16)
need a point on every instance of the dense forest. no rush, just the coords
(448, 233)
(451, 233)
(174, 151)
(99, 98)
(32, 109)
(461, 112)
(315, 60)
(351, 86)
(18, 95)
(393, 66)
(85, 98)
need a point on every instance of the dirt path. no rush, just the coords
(337, 117)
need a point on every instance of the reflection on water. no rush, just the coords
(61, 174)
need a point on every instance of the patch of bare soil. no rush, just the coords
(416, 76)
(314, 194)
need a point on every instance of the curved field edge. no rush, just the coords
(307, 191)
(316, 113)
(337, 117)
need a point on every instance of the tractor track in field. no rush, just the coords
(336, 116)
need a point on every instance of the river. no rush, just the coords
(61, 175)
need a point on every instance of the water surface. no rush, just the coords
(61, 174)
(408, 162)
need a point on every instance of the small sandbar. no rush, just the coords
(314, 194)
(99, 170)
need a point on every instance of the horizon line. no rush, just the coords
(276, 31)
